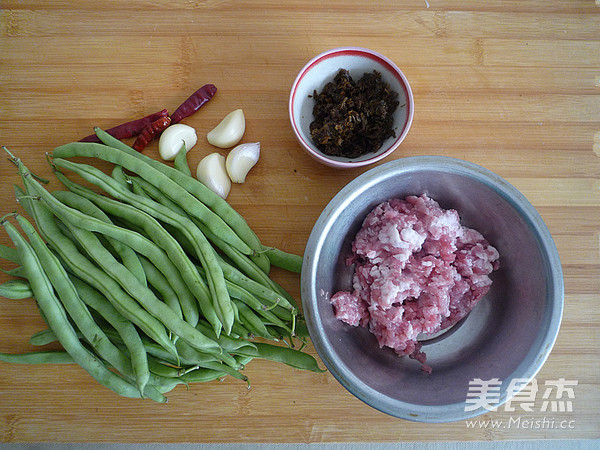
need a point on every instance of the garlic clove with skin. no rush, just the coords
(241, 159)
(212, 173)
(172, 138)
(229, 131)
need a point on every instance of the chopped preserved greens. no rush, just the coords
(353, 118)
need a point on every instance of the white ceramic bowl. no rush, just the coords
(322, 69)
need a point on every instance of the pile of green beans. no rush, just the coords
(149, 281)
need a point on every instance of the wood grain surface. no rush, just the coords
(512, 85)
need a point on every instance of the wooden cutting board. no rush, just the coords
(510, 85)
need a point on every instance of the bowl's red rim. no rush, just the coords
(353, 51)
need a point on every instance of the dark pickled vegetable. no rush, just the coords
(352, 118)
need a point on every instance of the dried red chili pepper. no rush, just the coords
(129, 129)
(194, 102)
(149, 132)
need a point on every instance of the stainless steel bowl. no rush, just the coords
(507, 336)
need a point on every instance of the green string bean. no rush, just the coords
(59, 322)
(15, 289)
(79, 264)
(121, 271)
(221, 302)
(156, 232)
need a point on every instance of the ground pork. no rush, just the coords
(417, 270)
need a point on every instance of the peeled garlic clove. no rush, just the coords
(173, 137)
(241, 159)
(230, 131)
(212, 173)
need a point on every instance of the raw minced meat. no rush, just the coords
(417, 270)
